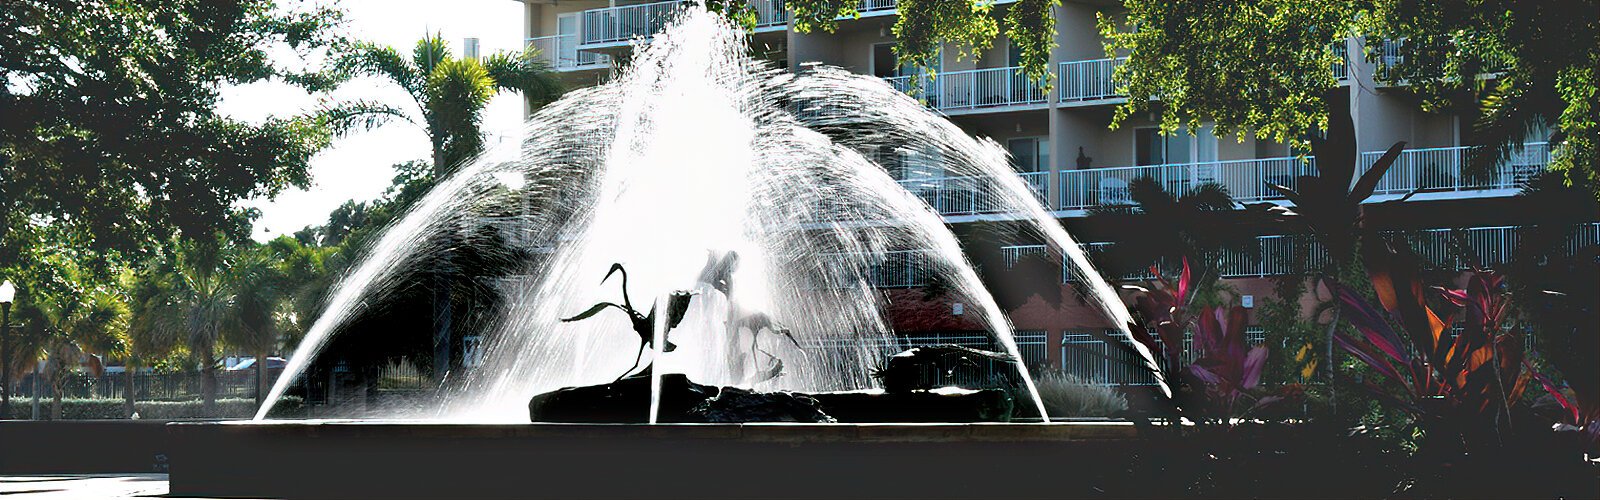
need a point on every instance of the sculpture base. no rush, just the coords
(375, 459)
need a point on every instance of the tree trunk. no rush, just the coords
(262, 389)
(208, 385)
(127, 388)
(57, 383)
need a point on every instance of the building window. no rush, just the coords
(1030, 154)
(1150, 147)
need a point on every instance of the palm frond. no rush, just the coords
(524, 73)
(430, 52)
(368, 59)
(351, 117)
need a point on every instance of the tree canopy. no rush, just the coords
(1264, 67)
(112, 132)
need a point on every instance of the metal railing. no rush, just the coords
(1341, 67)
(900, 269)
(1039, 183)
(1089, 80)
(562, 54)
(1280, 255)
(875, 5)
(1245, 179)
(1430, 169)
(770, 13)
(620, 24)
(1387, 55)
(1435, 169)
(1089, 355)
(971, 89)
(970, 195)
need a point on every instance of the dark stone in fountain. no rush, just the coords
(623, 401)
(925, 368)
(684, 401)
(735, 405)
(940, 405)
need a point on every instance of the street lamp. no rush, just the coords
(8, 292)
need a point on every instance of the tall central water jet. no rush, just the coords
(694, 154)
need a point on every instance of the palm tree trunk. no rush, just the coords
(261, 379)
(127, 388)
(208, 384)
(57, 381)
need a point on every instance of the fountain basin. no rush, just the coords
(366, 459)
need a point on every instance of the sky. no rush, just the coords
(360, 166)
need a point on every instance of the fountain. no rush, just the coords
(695, 150)
(760, 196)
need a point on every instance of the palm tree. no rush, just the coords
(216, 295)
(450, 92)
(147, 340)
(1177, 228)
(76, 332)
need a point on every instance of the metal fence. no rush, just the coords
(1104, 356)
(146, 386)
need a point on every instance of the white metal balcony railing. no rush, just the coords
(1280, 255)
(1430, 169)
(1341, 68)
(1245, 179)
(1440, 169)
(970, 89)
(1089, 80)
(562, 54)
(875, 6)
(620, 24)
(770, 13)
(970, 195)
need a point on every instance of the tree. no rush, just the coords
(1178, 228)
(111, 131)
(450, 92)
(923, 26)
(217, 294)
(1199, 62)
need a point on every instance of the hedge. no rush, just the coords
(102, 408)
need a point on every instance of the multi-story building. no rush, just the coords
(1063, 146)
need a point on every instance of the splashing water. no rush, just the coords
(697, 152)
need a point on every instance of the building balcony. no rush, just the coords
(617, 26)
(1435, 172)
(968, 90)
(970, 195)
(1089, 81)
(561, 53)
(1287, 255)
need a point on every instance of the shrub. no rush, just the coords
(1067, 396)
(112, 409)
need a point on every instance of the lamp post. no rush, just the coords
(8, 292)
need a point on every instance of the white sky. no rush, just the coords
(359, 166)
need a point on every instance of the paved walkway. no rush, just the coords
(84, 486)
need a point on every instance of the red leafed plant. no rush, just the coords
(1454, 386)
(1227, 369)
